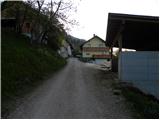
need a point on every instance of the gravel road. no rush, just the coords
(73, 92)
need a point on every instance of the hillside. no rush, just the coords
(23, 66)
(75, 42)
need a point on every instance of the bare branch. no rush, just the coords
(59, 4)
(64, 8)
(40, 4)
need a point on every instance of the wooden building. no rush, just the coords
(139, 68)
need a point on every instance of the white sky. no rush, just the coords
(92, 15)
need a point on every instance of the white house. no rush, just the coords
(96, 50)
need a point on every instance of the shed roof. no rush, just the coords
(138, 32)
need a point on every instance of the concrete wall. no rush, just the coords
(141, 69)
(100, 61)
(63, 52)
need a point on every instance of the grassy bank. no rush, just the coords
(140, 105)
(143, 106)
(23, 66)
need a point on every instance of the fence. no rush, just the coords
(140, 68)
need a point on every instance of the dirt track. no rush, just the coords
(74, 92)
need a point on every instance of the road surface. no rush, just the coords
(73, 92)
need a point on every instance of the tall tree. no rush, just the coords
(56, 11)
(47, 18)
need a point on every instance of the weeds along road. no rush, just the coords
(73, 92)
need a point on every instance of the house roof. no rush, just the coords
(138, 32)
(8, 22)
(95, 36)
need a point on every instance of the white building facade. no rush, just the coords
(96, 50)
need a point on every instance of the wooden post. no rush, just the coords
(111, 52)
(120, 43)
(111, 57)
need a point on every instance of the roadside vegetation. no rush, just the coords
(27, 61)
(23, 66)
(143, 106)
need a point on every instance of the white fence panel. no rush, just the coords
(140, 68)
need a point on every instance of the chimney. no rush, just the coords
(94, 35)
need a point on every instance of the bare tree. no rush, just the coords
(56, 12)
(61, 10)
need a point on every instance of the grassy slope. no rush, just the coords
(23, 66)
(141, 106)
(144, 107)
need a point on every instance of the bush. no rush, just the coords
(145, 107)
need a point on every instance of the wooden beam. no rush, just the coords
(111, 52)
(120, 43)
(111, 58)
(135, 20)
(118, 35)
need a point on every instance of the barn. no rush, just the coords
(140, 68)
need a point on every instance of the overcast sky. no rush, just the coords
(92, 15)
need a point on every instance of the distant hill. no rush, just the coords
(75, 42)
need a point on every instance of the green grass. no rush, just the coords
(24, 66)
(143, 106)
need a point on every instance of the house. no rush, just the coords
(95, 50)
(12, 19)
(65, 50)
(140, 68)
(26, 28)
(10, 23)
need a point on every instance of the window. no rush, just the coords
(87, 53)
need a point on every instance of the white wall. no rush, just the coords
(95, 42)
(141, 69)
(63, 52)
(100, 61)
(69, 50)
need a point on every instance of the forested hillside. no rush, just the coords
(76, 43)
